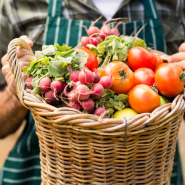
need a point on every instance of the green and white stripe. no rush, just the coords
(153, 34)
(14, 159)
(34, 178)
(68, 31)
(57, 30)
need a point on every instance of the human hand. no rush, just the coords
(179, 58)
(24, 57)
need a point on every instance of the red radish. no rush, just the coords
(45, 83)
(75, 105)
(72, 96)
(84, 41)
(74, 75)
(63, 86)
(106, 30)
(88, 104)
(106, 82)
(28, 82)
(95, 41)
(50, 96)
(92, 30)
(115, 29)
(86, 76)
(91, 111)
(76, 84)
(83, 92)
(99, 111)
(102, 35)
(96, 77)
(116, 32)
(98, 91)
(56, 86)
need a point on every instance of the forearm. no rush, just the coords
(12, 113)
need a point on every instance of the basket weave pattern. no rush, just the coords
(83, 149)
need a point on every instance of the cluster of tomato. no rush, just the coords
(149, 69)
(144, 71)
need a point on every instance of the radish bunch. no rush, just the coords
(86, 90)
(96, 35)
(50, 89)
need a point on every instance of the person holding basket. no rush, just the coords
(64, 25)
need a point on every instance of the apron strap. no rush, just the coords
(55, 8)
(150, 9)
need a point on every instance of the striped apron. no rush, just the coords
(22, 166)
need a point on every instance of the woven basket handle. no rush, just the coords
(14, 64)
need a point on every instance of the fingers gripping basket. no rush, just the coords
(83, 149)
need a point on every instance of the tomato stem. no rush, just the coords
(122, 75)
(182, 77)
(154, 87)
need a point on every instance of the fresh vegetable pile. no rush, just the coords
(111, 75)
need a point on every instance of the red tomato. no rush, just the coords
(144, 76)
(159, 60)
(167, 79)
(139, 57)
(92, 62)
(143, 99)
(117, 69)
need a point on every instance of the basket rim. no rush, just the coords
(67, 117)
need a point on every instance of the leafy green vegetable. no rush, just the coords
(31, 68)
(45, 61)
(115, 48)
(67, 60)
(121, 97)
(48, 50)
(38, 54)
(66, 54)
(36, 90)
(24, 68)
(112, 102)
(62, 48)
(119, 105)
(57, 68)
(93, 49)
(53, 62)
(140, 42)
(35, 81)
(108, 93)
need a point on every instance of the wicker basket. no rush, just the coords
(83, 149)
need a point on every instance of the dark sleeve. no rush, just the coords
(6, 35)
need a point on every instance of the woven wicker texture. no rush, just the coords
(82, 149)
